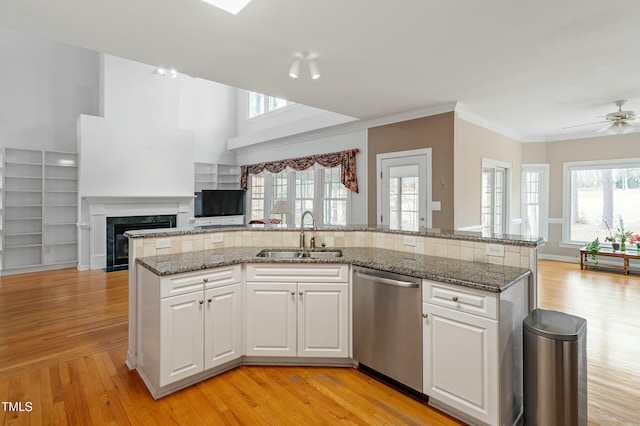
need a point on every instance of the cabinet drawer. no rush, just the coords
(461, 299)
(297, 272)
(193, 281)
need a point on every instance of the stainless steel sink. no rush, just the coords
(300, 254)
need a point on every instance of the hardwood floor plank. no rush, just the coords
(63, 342)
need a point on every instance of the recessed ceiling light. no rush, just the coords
(231, 6)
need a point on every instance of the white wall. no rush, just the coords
(153, 129)
(209, 109)
(44, 86)
(322, 142)
(137, 148)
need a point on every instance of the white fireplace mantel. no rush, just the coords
(94, 211)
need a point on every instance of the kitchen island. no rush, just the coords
(484, 286)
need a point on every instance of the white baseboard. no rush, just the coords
(558, 258)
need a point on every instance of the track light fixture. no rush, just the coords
(165, 72)
(314, 70)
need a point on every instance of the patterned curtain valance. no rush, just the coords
(346, 159)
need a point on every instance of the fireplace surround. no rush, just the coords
(96, 209)
(118, 244)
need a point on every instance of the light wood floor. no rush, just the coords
(63, 338)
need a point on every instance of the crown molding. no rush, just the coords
(342, 128)
(489, 125)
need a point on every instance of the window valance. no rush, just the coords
(346, 159)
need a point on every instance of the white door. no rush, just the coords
(404, 190)
(224, 325)
(271, 319)
(323, 325)
(181, 342)
(496, 177)
(460, 361)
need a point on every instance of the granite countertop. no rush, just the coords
(508, 239)
(478, 275)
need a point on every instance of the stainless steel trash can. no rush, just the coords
(555, 369)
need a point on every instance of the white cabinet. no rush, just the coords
(472, 351)
(189, 323)
(459, 361)
(223, 325)
(181, 337)
(298, 311)
(272, 319)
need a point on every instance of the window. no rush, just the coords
(261, 104)
(600, 194)
(316, 189)
(334, 203)
(495, 196)
(535, 199)
(257, 197)
(304, 181)
(403, 200)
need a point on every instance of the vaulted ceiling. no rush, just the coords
(527, 68)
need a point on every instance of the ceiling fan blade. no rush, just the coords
(605, 128)
(586, 124)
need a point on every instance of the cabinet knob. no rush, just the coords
(201, 302)
(206, 280)
(293, 293)
(301, 293)
(425, 315)
(208, 300)
(455, 298)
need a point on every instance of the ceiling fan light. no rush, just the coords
(619, 128)
(625, 128)
(294, 71)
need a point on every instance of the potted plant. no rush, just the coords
(615, 245)
(622, 236)
(635, 239)
(593, 248)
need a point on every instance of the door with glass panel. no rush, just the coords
(405, 191)
(494, 199)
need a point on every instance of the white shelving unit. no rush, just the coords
(60, 207)
(228, 176)
(39, 209)
(216, 176)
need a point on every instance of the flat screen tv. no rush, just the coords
(221, 202)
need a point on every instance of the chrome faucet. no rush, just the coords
(312, 242)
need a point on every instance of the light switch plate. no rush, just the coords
(410, 240)
(435, 206)
(495, 250)
(163, 243)
(217, 237)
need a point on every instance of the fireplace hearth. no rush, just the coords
(118, 244)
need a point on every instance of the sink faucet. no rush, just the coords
(312, 242)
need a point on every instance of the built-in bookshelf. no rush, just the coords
(216, 176)
(40, 209)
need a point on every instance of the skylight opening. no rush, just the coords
(231, 6)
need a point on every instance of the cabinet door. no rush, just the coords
(223, 325)
(181, 336)
(323, 325)
(460, 361)
(271, 319)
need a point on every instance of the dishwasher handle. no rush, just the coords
(388, 281)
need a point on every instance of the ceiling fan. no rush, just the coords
(617, 122)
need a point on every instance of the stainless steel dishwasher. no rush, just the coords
(387, 324)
